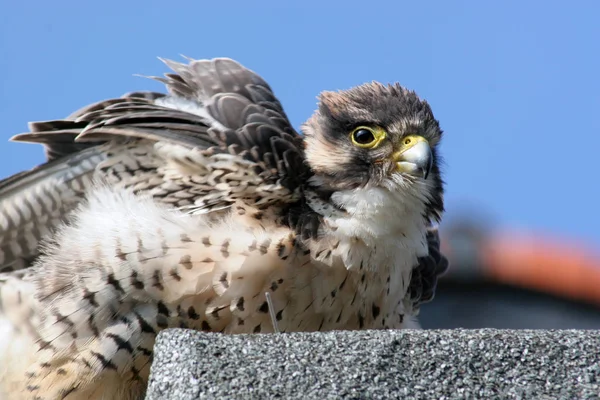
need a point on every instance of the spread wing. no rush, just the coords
(219, 135)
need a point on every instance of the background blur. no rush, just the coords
(514, 84)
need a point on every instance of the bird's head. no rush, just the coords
(376, 136)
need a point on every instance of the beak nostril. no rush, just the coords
(407, 141)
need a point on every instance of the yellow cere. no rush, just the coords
(411, 140)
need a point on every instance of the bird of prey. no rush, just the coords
(203, 208)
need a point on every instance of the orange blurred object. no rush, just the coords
(546, 265)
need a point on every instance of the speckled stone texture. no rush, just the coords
(450, 364)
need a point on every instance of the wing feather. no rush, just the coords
(426, 273)
(32, 203)
(218, 114)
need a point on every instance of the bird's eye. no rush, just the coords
(363, 137)
(366, 137)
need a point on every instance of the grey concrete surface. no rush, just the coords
(448, 364)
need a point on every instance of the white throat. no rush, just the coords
(390, 222)
(376, 213)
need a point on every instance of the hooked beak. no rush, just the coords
(414, 157)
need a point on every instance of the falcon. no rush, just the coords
(203, 208)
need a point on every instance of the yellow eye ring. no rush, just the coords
(367, 137)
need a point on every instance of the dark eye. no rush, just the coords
(363, 136)
(367, 137)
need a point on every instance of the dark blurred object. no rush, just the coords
(513, 281)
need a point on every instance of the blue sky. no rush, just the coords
(514, 84)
